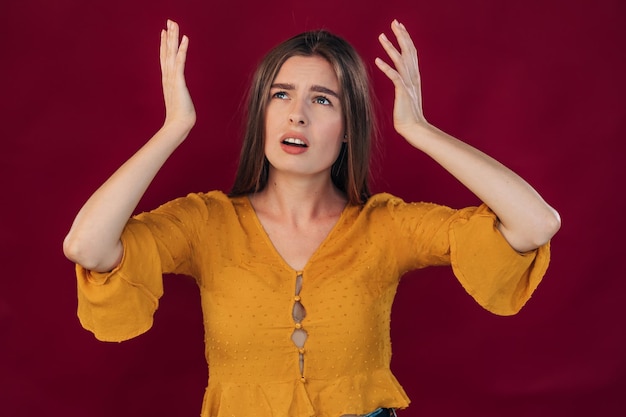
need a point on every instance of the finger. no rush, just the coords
(391, 73)
(163, 50)
(172, 43)
(389, 47)
(404, 39)
(408, 50)
(405, 58)
(181, 57)
(396, 57)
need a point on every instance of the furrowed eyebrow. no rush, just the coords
(315, 88)
(321, 89)
(282, 86)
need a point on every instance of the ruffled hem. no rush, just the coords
(499, 278)
(358, 394)
(116, 306)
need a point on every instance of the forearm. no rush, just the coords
(94, 238)
(526, 220)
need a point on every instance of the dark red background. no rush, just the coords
(537, 84)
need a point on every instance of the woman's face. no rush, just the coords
(304, 125)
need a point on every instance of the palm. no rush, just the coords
(179, 107)
(405, 76)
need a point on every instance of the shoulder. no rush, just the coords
(385, 207)
(212, 199)
(382, 200)
(195, 205)
(390, 202)
(220, 206)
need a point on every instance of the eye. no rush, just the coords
(282, 95)
(323, 100)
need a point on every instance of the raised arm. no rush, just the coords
(94, 238)
(526, 220)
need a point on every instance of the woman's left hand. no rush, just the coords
(526, 220)
(407, 110)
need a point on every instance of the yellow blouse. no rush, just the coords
(248, 294)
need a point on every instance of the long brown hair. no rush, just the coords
(350, 172)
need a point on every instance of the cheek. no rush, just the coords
(269, 126)
(335, 124)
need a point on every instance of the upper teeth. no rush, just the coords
(295, 141)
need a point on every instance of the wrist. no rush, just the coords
(179, 126)
(418, 133)
(175, 131)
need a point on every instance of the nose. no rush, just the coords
(297, 114)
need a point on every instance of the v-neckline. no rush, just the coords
(270, 244)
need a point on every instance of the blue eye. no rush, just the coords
(322, 100)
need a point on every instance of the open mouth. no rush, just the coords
(294, 142)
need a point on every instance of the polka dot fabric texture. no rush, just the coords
(303, 343)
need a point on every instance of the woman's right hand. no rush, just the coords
(94, 238)
(179, 109)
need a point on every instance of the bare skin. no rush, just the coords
(94, 238)
(300, 205)
(526, 220)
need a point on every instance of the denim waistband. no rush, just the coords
(382, 412)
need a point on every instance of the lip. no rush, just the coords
(294, 150)
(295, 135)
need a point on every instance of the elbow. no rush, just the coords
(556, 222)
(552, 224)
(534, 233)
(77, 251)
(546, 228)
(70, 248)
(73, 250)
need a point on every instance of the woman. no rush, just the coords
(299, 265)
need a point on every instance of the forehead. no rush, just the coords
(308, 70)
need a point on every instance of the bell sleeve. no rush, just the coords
(120, 304)
(498, 277)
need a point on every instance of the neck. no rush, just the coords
(299, 199)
